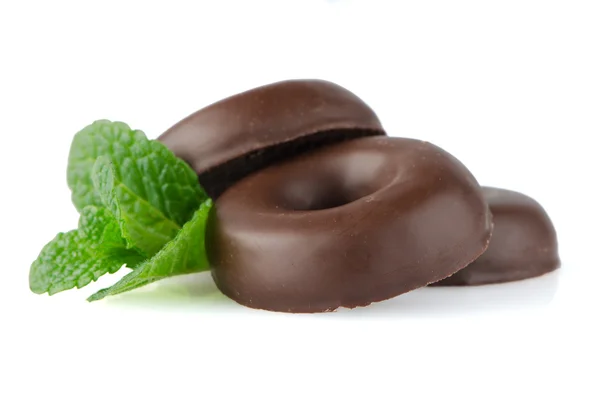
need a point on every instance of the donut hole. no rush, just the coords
(305, 196)
(340, 182)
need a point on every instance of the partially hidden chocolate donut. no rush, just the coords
(238, 135)
(523, 243)
(346, 225)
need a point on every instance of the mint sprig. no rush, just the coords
(139, 205)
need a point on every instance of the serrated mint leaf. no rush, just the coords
(143, 226)
(183, 255)
(145, 167)
(76, 258)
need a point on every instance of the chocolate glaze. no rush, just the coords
(346, 225)
(238, 135)
(523, 243)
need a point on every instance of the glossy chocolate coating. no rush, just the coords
(523, 243)
(346, 225)
(238, 135)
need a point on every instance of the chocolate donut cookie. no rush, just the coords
(346, 225)
(238, 135)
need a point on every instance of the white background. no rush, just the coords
(512, 88)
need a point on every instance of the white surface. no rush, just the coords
(511, 88)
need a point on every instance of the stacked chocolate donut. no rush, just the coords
(316, 208)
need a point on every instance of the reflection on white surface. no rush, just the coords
(198, 293)
(452, 301)
(195, 291)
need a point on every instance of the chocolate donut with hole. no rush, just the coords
(346, 225)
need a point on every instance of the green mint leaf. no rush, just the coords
(145, 167)
(111, 242)
(76, 258)
(143, 226)
(91, 219)
(183, 255)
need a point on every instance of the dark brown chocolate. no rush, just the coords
(523, 243)
(243, 133)
(346, 225)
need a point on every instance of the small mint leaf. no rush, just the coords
(143, 226)
(145, 167)
(76, 258)
(183, 255)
